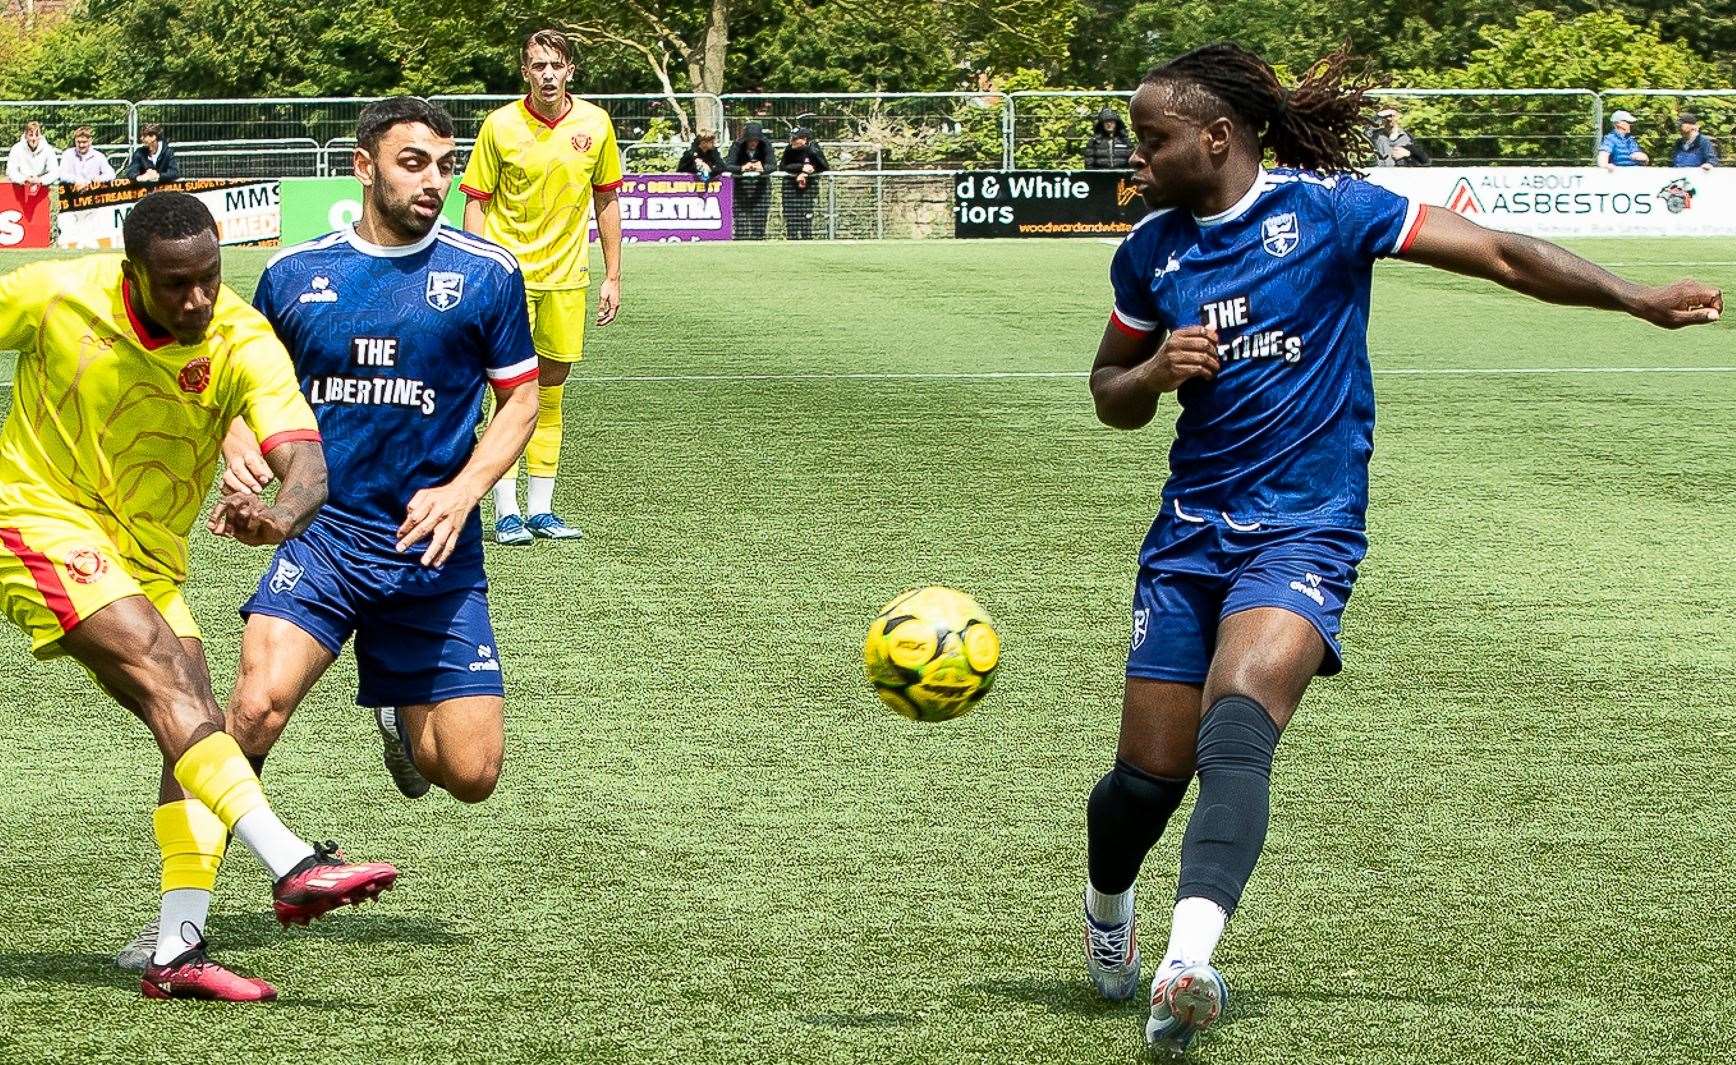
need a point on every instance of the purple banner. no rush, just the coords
(674, 208)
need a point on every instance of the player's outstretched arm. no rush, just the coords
(300, 468)
(1553, 274)
(1131, 371)
(437, 515)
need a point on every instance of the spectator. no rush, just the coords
(803, 161)
(702, 158)
(750, 160)
(152, 161)
(1695, 148)
(1393, 145)
(1619, 147)
(33, 163)
(82, 166)
(1109, 146)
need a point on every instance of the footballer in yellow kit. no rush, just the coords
(130, 370)
(538, 165)
(113, 440)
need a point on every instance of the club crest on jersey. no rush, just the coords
(195, 376)
(285, 577)
(581, 143)
(1280, 234)
(444, 290)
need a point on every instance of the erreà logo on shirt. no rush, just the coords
(444, 289)
(319, 290)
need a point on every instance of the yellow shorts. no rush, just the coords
(557, 323)
(56, 569)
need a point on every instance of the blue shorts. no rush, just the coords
(1192, 575)
(421, 636)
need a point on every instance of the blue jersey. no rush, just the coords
(1282, 436)
(394, 346)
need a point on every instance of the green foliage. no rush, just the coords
(1542, 51)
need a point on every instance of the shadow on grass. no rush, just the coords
(858, 1020)
(229, 933)
(1065, 995)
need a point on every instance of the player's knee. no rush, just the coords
(552, 374)
(472, 780)
(256, 719)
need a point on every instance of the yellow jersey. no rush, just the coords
(534, 179)
(122, 423)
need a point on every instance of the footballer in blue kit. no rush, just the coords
(396, 326)
(1245, 292)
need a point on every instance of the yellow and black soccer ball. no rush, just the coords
(932, 654)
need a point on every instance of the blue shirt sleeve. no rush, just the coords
(510, 358)
(1135, 309)
(264, 301)
(1373, 222)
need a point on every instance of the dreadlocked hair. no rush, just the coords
(1314, 126)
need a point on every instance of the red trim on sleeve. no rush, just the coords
(1416, 227)
(476, 194)
(150, 338)
(513, 382)
(47, 578)
(1116, 320)
(288, 436)
(610, 187)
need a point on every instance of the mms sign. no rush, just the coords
(23, 217)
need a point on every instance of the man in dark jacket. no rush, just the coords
(750, 160)
(702, 159)
(1695, 148)
(804, 162)
(1109, 147)
(152, 161)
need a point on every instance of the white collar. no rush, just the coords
(1240, 207)
(395, 251)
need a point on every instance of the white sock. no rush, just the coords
(271, 841)
(506, 496)
(540, 499)
(180, 923)
(1108, 909)
(1194, 931)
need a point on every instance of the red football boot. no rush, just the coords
(194, 975)
(323, 881)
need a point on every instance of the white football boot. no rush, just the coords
(1112, 958)
(1185, 1000)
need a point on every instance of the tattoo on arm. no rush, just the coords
(301, 472)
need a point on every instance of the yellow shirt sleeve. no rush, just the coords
(607, 174)
(21, 295)
(482, 173)
(264, 390)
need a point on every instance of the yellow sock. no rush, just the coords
(192, 841)
(542, 456)
(215, 772)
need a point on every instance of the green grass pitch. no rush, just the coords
(1504, 835)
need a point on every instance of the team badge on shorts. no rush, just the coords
(444, 290)
(1280, 234)
(86, 566)
(1141, 625)
(195, 376)
(285, 577)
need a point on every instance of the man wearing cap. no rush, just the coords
(1392, 144)
(1619, 147)
(1695, 148)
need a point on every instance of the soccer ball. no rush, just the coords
(932, 654)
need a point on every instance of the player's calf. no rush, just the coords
(458, 744)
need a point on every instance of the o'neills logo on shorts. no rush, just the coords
(195, 376)
(86, 566)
